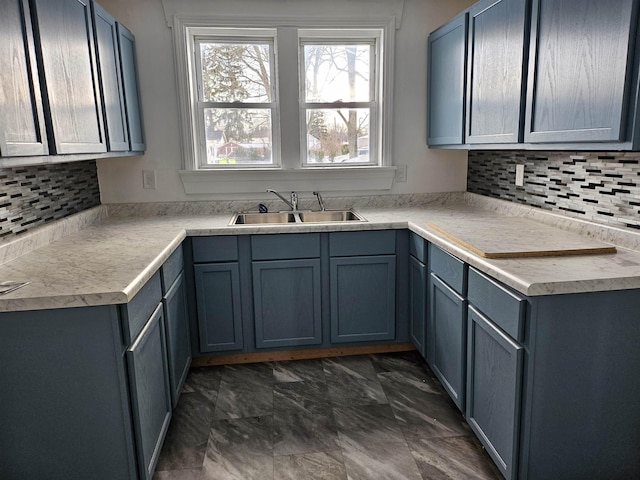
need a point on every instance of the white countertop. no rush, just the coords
(107, 262)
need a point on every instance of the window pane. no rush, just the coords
(337, 73)
(238, 136)
(338, 135)
(235, 72)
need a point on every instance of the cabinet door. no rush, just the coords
(418, 303)
(178, 342)
(131, 84)
(494, 386)
(580, 67)
(22, 127)
(363, 298)
(447, 338)
(496, 54)
(110, 80)
(287, 303)
(446, 83)
(70, 75)
(150, 397)
(218, 305)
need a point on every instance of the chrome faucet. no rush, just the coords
(293, 204)
(320, 202)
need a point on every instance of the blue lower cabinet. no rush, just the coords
(363, 298)
(494, 389)
(418, 276)
(219, 307)
(287, 298)
(150, 396)
(177, 331)
(446, 334)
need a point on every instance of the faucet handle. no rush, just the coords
(320, 202)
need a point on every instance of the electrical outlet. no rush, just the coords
(519, 175)
(401, 173)
(149, 179)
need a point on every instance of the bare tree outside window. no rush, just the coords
(338, 94)
(235, 82)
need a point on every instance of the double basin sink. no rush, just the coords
(324, 216)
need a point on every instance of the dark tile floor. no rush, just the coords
(367, 417)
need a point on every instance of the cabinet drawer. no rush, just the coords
(418, 247)
(450, 269)
(136, 313)
(504, 307)
(215, 249)
(347, 244)
(171, 269)
(283, 247)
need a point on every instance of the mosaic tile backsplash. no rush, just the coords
(34, 195)
(603, 187)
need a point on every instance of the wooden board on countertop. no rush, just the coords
(514, 237)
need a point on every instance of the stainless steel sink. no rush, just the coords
(252, 218)
(325, 216)
(331, 216)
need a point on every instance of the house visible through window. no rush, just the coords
(236, 100)
(238, 76)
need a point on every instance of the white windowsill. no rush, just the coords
(327, 179)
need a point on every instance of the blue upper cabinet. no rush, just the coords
(540, 74)
(496, 64)
(68, 67)
(111, 90)
(22, 127)
(128, 64)
(581, 67)
(446, 83)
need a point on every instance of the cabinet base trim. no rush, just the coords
(283, 355)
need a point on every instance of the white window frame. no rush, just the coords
(289, 173)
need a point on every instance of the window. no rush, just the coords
(236, 101)
(287, 105)
(339, 98)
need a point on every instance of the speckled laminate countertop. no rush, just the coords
(109, 259)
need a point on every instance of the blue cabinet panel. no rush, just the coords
(65, 410)
(348, 244)
(219, 308)
(496, 67)
(580, 68)
(450, 269)
(215, 249)
(287, 303)
(69, 75)
(130, 82)
(446, 334)
(171, 268)
(505, 308)
(363, 298)
(284, 247)
(136, 313)
(494, 390)
(22, 125)
(418, 247)
(418, 276)
(111, 90)
(446, 73)
(177, 332)
(150, 396)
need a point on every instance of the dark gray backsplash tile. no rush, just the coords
(598, 186)
(34, 195)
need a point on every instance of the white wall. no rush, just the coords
(428, 170)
